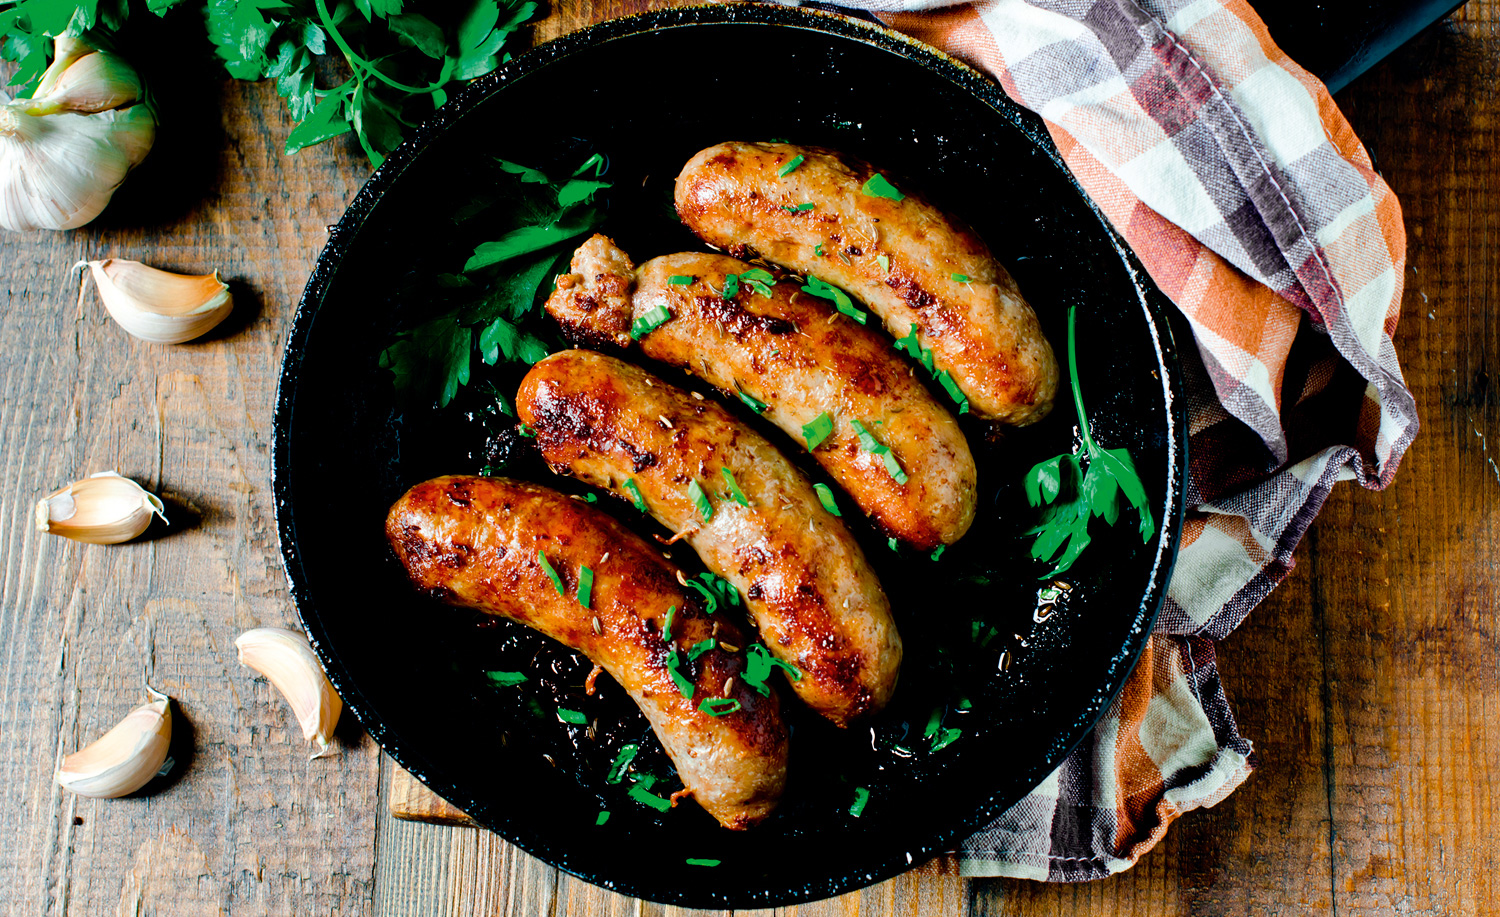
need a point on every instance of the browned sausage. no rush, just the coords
(807, 584)
(797, 358)
(910, 262)
(476, 543)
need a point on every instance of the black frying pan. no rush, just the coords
(650, 91)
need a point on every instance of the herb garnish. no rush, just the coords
(635, 494)
(679, 280)
(861, 797)
(938, 552)
(603, 817)
(959, 278)
(731, 286)
(758, 279)
(700, 500)
(841, 301)
(875, 447)
(666, 627)
(506, 679)
(754, 403)
(557, 582)
(913, 347)
(622, 761)
(759, 664)
(715, 589)
(701, 861)
(818, 430)
(674, 669)
(640, 791)
(884, 261)
(878, 186)
(1074, 494)
(649, 321)
(734, 487)
(818, 249)
(720, 706)
(701, 647)
(800, 208)
(571, 716)
(585, 587)
(791, 166)
(940, 740)
(825, 497)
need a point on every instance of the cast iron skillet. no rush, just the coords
(650, 91)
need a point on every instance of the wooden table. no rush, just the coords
(1368, 682)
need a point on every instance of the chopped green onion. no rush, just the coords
(734, 487)
(800, 208)
(674, 668)
(818, 249)
(679, 280)
(825, 497)
(875, 447)
(884, 261)
(635, 494)
(720, 706)
(939, 552)
(759, 280)
(591, 498)
(947, 738)
(666, 628)
(933, 722)
(954, 392)
(841, 301)
(964, 703)
(893, 467)
(731, 286)
(700, 500)
(759, 664)
(649, 321)
(571, 716)
(603, 817)
(645, 797)
(585, 587)
(753, 402)
(791, 166)
(557, 582)
(959, 278)
(878, 186)
(526, 431)
(715, 589)
(700, 861)
(506, 679)
(913, 347)
(861, 797)
(699, 648)
(818, 431)
(622, 761)
(891, 543)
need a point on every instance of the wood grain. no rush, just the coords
(1368, 682)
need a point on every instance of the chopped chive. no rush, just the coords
(649, 321)
(818, 249)
(526, 431)
(800, 208)
(861, 797)
(715, 589)
(870, 444)
(891, 543)
(758, 279)
(933, 722)
(893, 467)
(754, 403)
(591, 498)
(603, 817)
(913, 346)
(700, 500)
(679, 280)
(622, 761)
(506, 679)
(674, 669)
(818, 431)
(585, 587)
(939, 552)
(759, 664)
(878, 186)
(557, 582)
(571, 716)
(965, 704)
(825, 497)
(699, 648)
(791, 166)
(959, 278)
(645, 797)
(666, 628)
(947, 738)
(841, 301)
(635, 494)
(720, 706)
(701, 861)
(731, 286)
(954, 392)
(734, 487)
(884, 261)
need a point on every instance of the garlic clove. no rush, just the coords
(100, 509)
(160, 306)
(66, 49)
(124, 759)
(88, 83)
(287, 659)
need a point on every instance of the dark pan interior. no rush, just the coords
(649, 92)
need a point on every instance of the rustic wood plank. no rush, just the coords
(408, 798)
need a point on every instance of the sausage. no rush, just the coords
(937, 274)
(805, 581)
(475, 542)
(797, 358)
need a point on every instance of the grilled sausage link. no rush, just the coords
(910, 262)
(477, 542)
(798, 358)
(807, 584)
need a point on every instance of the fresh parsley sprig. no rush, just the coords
(1076, 487)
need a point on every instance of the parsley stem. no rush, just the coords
(360, 63)
(1083, 419)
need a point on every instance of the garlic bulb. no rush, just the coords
(101, 509)
(124, 759)
(287, 659)
(65, 151)
(160, 306)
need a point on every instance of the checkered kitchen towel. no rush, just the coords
(1255, 208)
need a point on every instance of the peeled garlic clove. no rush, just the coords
(101, 509)
(160, 306)
(287, 659)
(125, 758)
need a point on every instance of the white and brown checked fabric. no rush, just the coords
(1255, 208)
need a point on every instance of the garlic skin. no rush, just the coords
(159, 306)
(100, 509)
(288, 661)
(124, 759)
(63, 153)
